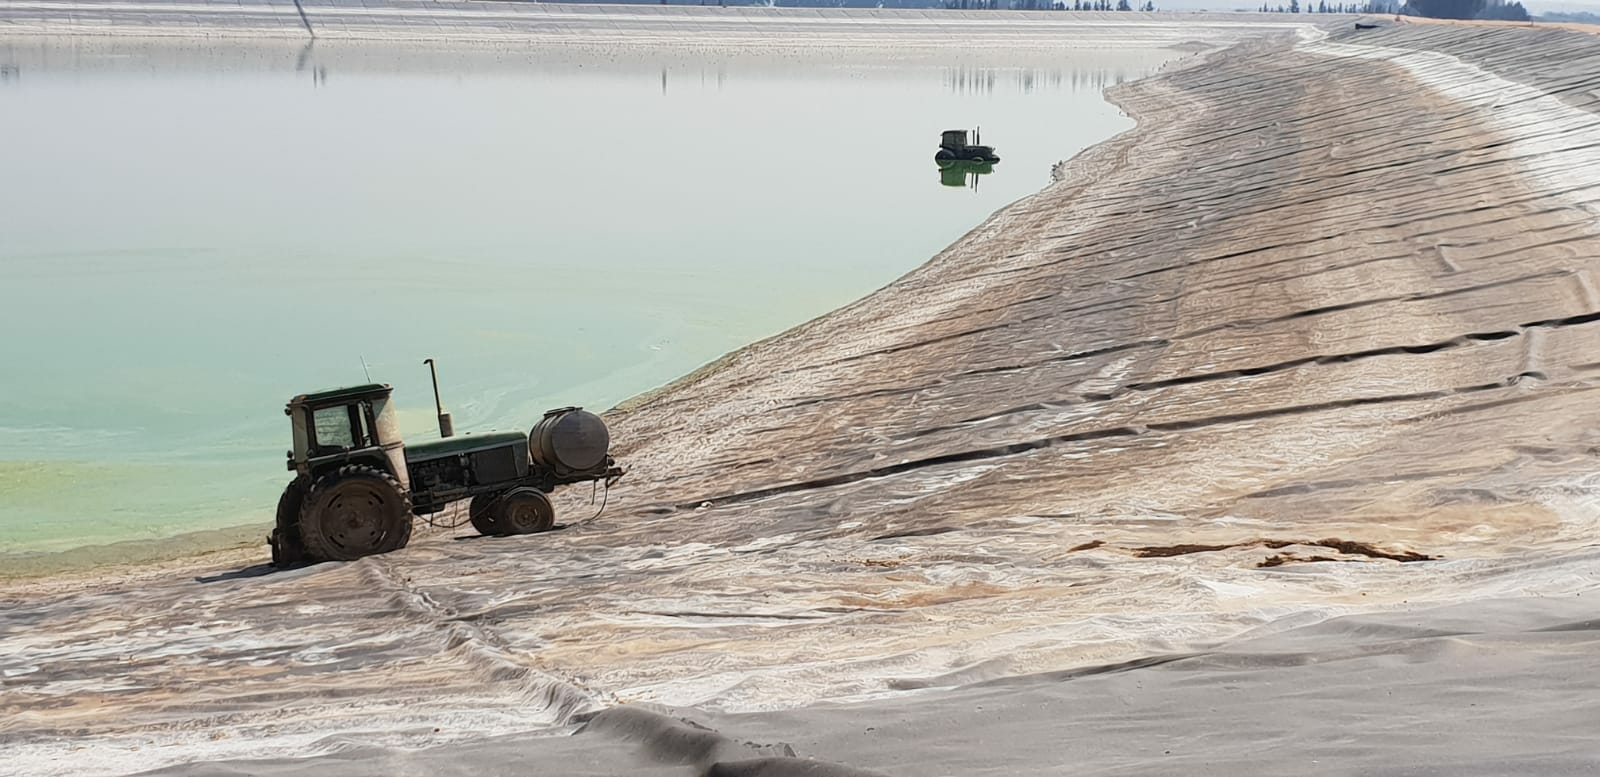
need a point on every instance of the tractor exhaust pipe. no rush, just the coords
(447, 428)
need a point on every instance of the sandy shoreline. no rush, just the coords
(1117, 482)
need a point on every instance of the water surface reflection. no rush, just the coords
(963, 173)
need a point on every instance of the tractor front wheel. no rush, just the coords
(525, 511)
(285, 538)
(485, 516)
(353, 512)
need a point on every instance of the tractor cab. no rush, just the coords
(346, 426)
(349, 497)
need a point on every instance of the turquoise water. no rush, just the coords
(191, 235)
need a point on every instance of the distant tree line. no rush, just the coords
(1499, 10)
(1322, 6)
(1046, 5)
(1503, 11)
(1467, 9)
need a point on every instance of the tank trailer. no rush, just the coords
(357, 485)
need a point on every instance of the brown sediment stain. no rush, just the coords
(1348, 547)
(955, 593)
(1353, 548)
(1288, 558)
(1163, 551)
(1090, 545)
(922, 532)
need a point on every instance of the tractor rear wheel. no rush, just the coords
(525, 511)
(285, 539)
(484, 515)
(401, 538)
(353, 512)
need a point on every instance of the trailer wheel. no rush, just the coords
(525, 511)
(285, 538)
(484, 515)
(353, 512)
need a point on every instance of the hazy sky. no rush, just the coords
(1541, 6)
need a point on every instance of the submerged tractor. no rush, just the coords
(953, 147)
(357, 484)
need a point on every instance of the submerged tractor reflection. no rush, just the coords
(357, 484)
(963, 173)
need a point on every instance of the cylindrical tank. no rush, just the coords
(569, 440)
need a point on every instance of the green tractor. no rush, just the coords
(357, 484)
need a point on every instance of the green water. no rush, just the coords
(190, 235)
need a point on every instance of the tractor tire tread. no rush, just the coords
(285, 539)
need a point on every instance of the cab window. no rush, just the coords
(333, 428)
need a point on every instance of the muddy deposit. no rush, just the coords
(1334, 300)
